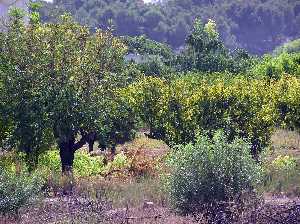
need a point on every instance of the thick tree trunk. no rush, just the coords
(91, 140)
(91, 146)
(67, 157)
(67, 149)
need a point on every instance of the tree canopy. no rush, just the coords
(257, 26)
(61, 86)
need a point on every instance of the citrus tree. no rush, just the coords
(61, 86)
(176, 111)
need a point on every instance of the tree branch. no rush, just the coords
(80, 143)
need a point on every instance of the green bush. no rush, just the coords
(284, 163)
(275, 67)
(289, 102)
(175, 110)
(289, 47)
(209, 171)
(84, 164)
(281, 174)
(120, 161)
(17, 190)
(13, 161)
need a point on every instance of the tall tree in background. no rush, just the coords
(205, 52)
(257, 26)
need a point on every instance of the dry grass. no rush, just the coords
(284, 143)
(286, 139)
(139, 198)
(121, 193)
(151, 145)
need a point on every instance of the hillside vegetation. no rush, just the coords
(97, 128)
(257, 26)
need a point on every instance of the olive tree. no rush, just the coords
(61, 86)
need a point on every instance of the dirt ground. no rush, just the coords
(139, 202)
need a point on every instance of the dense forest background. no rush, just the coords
(257, 25)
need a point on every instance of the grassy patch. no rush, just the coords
(121, 193)
(283, 164)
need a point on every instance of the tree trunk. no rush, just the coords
(67, 149)
(67, 159)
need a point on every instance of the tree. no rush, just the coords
(62, 86)
(204, 51)
(153, 58)
(257, 26)
(289, 47)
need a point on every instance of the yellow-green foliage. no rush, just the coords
(275, 67)
(289, 102)
(13, 162)
(281, 174)
(84, 164)
(248, 108)
(284, 163)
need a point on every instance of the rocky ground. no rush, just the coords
(72, 209)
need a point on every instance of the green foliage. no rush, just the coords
(210, 171)
(258, 26)
(155, 66)
(289, 47)
(143, 46)
(120, 161)
(144, 97)
(281, 174)
(152, 58)
(50, 161)
(175, 111)
(288, 104)
(84, 164)
(275, 67)
(13, 161)
(284, 163)
(205, 52)
(17, 190)
(62, 82)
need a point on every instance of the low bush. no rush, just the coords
(84, 164)
(17, 190)
(281, 174)
(210, 171)
(284, 163)
(13, 162)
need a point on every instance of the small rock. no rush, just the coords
(148, 204)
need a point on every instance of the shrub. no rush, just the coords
(13, 161)
(275, 67)
(84, 164)
(17, 190)
(284, 163)
(210, 171)
(289, 102)
(281, 174)
(120, 161)
(289, 47)
(175, 111)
